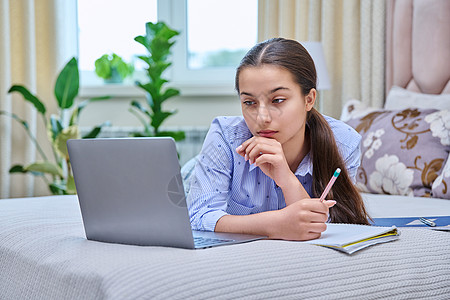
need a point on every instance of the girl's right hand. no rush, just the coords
(268, 155)
(302, 220)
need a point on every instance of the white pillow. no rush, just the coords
(400, 98)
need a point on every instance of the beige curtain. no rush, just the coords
(352, 34)
(33, 47)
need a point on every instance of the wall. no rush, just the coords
(193, 111)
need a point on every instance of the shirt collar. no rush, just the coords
(305, 166)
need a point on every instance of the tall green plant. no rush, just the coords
(158, 40)
(60, 128)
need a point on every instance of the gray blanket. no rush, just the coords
(44, 255)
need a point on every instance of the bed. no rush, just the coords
(44, 253)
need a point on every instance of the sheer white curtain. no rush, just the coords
(352, 34)
(36, 39)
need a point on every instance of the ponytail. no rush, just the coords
(326, 159)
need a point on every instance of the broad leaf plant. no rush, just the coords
(56, 171)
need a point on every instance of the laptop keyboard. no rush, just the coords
(204, 242)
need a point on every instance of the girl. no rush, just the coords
(257, 174)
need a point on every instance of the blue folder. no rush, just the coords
(411, 221)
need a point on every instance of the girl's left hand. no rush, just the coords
(268, 155)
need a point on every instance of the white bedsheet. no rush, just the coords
(44, 255)
(401, 206)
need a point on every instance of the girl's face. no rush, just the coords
(273, 105)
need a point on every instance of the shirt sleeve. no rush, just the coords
(209, 190)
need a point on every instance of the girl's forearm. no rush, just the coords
(303, 220)
(258, 224)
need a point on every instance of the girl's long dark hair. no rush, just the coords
(292, 56)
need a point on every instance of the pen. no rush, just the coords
(330, 184)
(427, 222)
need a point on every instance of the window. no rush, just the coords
(106, 26)
(219, 33)
(209, 28)
(215, 34)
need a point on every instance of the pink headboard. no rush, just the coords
(418, 45)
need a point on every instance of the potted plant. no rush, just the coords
(157, 41)
(112, 68)
(56, 171)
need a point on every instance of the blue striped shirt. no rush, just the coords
(224, 183)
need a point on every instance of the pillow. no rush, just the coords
(402, 151)
(400, 98)
(355, 108)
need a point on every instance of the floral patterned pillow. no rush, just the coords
(403, 151)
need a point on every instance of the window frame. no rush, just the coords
(214, 80)
(199, 82)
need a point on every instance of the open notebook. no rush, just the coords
(350, 238)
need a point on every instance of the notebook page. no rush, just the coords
(343, 234)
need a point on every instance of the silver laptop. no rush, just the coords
(131, 192)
